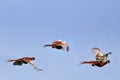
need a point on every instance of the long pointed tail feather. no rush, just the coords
(46, 45)
(10, 60)
(89, 62)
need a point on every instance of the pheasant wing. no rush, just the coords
(32, 64)
(97, 52)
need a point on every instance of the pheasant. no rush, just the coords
(24, 60)
(101, 59)
(59, 44)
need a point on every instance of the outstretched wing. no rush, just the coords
(31, 63)
(104, 57)
(65, 46)
(97, 52)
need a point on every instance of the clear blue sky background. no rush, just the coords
(26, 25)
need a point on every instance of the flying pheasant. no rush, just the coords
(58, 44)
(101, 59)
(24, 60)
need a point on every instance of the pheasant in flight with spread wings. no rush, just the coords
(24, 60)
(101, 59)
(59, 44)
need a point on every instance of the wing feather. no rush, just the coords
(97, 53)
(33, 65)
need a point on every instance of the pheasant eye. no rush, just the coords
(33, 58)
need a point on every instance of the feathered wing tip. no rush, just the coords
(38, 69)
(67, 48)
(109, 53)
(96, 48)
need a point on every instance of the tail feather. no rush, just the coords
(10, 60)
(89, 62)
(47, 45)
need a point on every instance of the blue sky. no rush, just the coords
(26, 25)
